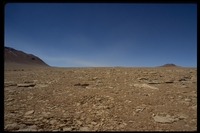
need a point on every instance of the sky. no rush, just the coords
(104, 34)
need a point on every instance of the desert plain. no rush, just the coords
(100, 99)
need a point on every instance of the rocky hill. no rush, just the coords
(16, 57)
(169, 65)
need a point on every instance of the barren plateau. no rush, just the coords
(100, 99)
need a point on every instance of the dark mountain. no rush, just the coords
(168, 65)
(13, 56)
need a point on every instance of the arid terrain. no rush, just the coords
(100, 99)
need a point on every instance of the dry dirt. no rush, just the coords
(100, 99)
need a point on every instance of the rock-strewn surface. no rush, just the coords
(100, 99)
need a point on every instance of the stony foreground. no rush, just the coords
(100, 99)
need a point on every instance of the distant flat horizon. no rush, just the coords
(163, 65)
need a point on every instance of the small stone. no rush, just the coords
(182, 79)
(186, 103)
(28, 117)
(77, 84)
(121, 126)
(28, 81)
(170, 81)
(10, 83)
(67, 129)
(94, 123)
(55, 130)
(84, 129)
(84, 84)
(21, 126)
(98, 99)
(29, 128)
(148, 86)
(163, 119)
(95, 78)
(184, 86)
(29, 112)
(134, 113)
(154, 82)
(99, 81)
(13, 126)
(180, 97)
(46, 114)
(26, 85)
(62, 125)
(188, 100)
(35, 81)
(153, 72)
(137, 110)
(10, 99)
(182, 116)
(142, 78)
(79, 122)
(194, 107)
(32, 127)
(52, 122)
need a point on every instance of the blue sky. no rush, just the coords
(104, 34)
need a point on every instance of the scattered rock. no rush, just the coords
(182, 116)
(145, 86)
(152, 72)
(95, 78)
(29, 112)
(10, 99)
(164, 119)
(194, 107)
(94, 123)
(184, 86)
(41, 85)
(77, 84)
(84, 129)
(154, 82)
(10, 83)
(21, 126)
(182, 79)
(67, 129)
(169, 81)
(26, 85)
(99, 81)
(32, 127)
(84, 84)
(79, 122)
(129, 100)
(28, 81)
(140, 108)
(188, 100)
(194, 78)
(13, 126)
(53, 122)
(46, 114)
(142, 78)
(29, 128)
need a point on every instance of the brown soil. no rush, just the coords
(100, 99)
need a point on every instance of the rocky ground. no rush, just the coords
(100, 99)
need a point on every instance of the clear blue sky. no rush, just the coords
(104, 34)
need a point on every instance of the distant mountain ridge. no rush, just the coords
(169, 65)
(13, 56)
